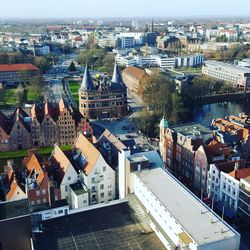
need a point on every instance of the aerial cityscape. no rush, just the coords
(124, 125)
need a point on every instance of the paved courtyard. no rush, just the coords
(114, 227)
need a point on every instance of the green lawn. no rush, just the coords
(74, 87)
(189, 70)
(32, 95)
(24, 152)
(8, 96)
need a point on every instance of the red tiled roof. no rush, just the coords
(18, 67)
(34, 164)
(240, 173)
(136, 73)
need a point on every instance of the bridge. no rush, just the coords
(225, 97)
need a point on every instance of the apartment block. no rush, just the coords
(244, 200)
(232, 74)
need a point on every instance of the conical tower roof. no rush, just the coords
(87, 83)
(164, 123)
(117, 78)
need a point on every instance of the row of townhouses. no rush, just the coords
(214, 161)
(47, 124)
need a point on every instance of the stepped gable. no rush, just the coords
(22, 116)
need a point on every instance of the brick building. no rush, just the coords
(15, 131)
(13, 74)
(179, 149)
(190, 150)
(39, 188)
(102, 98)
(46, 125)
(133, 78)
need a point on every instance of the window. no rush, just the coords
(38, 201)
(104, 169)
(102, 195)
(84, 201)
(66, 188)
(37, 192)
(102, 186)
(32, 203)
(93, 179)
(69, 178)
(93, 189)
(109, 193)
(93, 197)
(60, 211)
(44, 200)
(44, 191)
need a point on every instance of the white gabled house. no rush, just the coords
(65, 173)
(97, 175)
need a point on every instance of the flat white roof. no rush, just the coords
(227, 66)
(185, 207)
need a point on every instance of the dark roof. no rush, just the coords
(129, 143)
(117, 82)
(78, 188)
(4, 123)
(12, 209)
(21, 115)
(87, 82)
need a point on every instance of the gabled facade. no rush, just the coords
(20, 136)
(97, 175)
(11, 186)
(46, 125)
(64, 172)
(4, 133)
(38, 185)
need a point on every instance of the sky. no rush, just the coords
(122, 8)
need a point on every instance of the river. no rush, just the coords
(206, 113)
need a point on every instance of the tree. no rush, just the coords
(156, 93)
(108, 63)
(147, 123)
(179, 111)
(72, 67)
(222, 39)
(42, 63)
(36, 83)
(91, 44)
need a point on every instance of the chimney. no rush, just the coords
(236, 165)
(51, 194)
(139, 167)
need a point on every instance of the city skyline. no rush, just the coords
(112, 8)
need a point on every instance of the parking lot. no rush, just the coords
(114, 227)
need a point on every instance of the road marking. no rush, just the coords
(74, 240)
